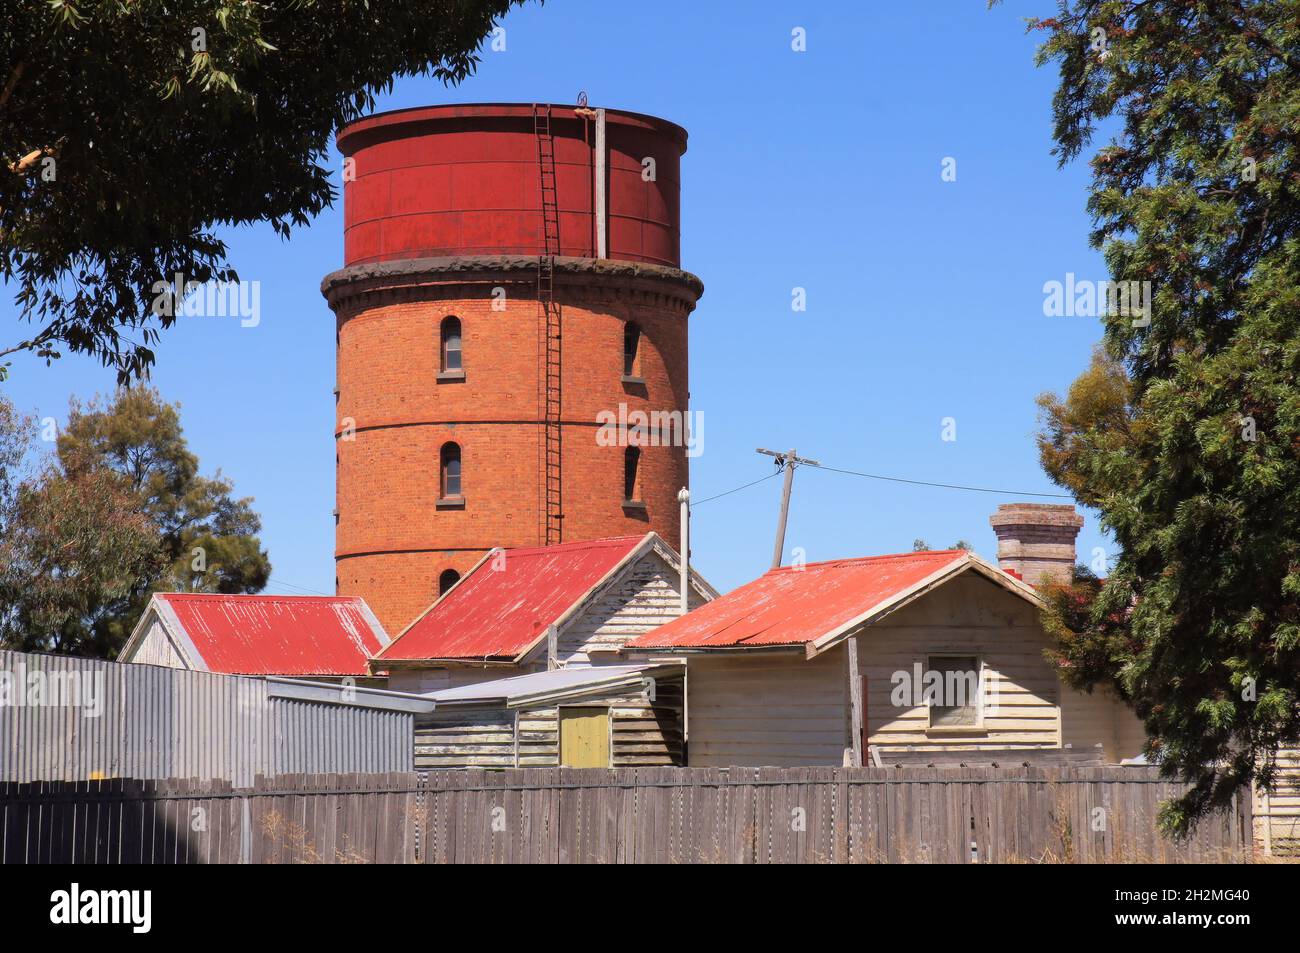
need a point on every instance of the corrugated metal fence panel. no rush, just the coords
(316, 738)
(141, 721)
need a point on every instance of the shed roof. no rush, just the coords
(816, 604)
(502, 607)
(270, 635)
(558, 683)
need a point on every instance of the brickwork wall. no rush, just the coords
(393, 539)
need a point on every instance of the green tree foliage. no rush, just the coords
(1095, 415)
(119, 513)
(1185, 432)
(74, 550)
(132, 130)
(71, 545)
(1085, 645)
(919, 545)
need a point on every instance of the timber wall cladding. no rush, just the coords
(625, 815)
(643, 733)
(1277, 812)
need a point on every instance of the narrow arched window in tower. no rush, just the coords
(450, 467)
(631, 461)
(631, 342)
(448, 579)
(450, 343)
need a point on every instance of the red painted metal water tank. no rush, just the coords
(463, 180)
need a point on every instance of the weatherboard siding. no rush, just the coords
(642, 733)
(460, 739)
(968, 616)
(649, 734)
(775, 709)
(645, 597)
(1099, 717)
(157, 648)
(1131, 736)
(780, 709)
(1089, 719)
(1277, 812)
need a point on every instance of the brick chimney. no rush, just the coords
(1036, 540)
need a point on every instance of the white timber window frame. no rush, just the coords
(935, 662)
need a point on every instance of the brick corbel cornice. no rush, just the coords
(474, 275)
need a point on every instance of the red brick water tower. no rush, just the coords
(511, 282)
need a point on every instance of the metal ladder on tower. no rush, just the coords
(549, 336)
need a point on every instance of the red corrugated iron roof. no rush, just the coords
(499, 613)
(278, 635)
(797, 605)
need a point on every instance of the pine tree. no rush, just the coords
(1185, 431)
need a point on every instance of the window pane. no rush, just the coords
(451, 345)
(450, 470)
(631, 338)
(958, 703)
(631, 458)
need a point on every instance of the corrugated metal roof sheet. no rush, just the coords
(795, 605)
(543, 684)
(502, 608)
(278, 635)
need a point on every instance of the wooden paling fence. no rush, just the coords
(906, 814)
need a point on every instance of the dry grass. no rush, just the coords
(300, 848)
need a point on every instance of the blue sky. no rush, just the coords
(818, 170)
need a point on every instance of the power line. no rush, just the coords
(890, 479)
(719, 496)
(304, 589)
(945, 486)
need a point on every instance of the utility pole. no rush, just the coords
(788, 460)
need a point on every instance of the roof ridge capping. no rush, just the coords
(836, 599)
(573, 545)
(266, 596)
(858, 560)
(968, 561)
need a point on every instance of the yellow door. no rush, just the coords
(584, 737)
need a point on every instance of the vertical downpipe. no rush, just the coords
(684, 498)
(602, 207)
